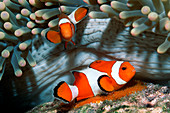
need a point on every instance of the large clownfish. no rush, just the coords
(100, 77)
(67, 26)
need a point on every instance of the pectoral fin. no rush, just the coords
(53, 36)
(80, 13)
(105, 83)
(77, 15)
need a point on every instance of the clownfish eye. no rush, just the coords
(124, 68)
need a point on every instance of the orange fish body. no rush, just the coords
(67, 26)
(100, 77)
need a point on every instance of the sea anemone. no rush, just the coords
(142, 15)
(22, 23)
(15, 38)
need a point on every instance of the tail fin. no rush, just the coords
(62, 91)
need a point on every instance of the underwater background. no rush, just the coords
(39, 66)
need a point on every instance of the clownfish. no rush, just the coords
(67, 26)
(100, 77)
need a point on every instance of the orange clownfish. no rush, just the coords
(100, 77)
(67, 26)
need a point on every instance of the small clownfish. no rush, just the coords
(67, 26)
(100, 77)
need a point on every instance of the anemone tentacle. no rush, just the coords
(142, 15)
(21, 22)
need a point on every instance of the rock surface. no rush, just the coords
(153, 99)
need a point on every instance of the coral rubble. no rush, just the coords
(22, 23)
(142, 15)
(131, 87)
(154, 98)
